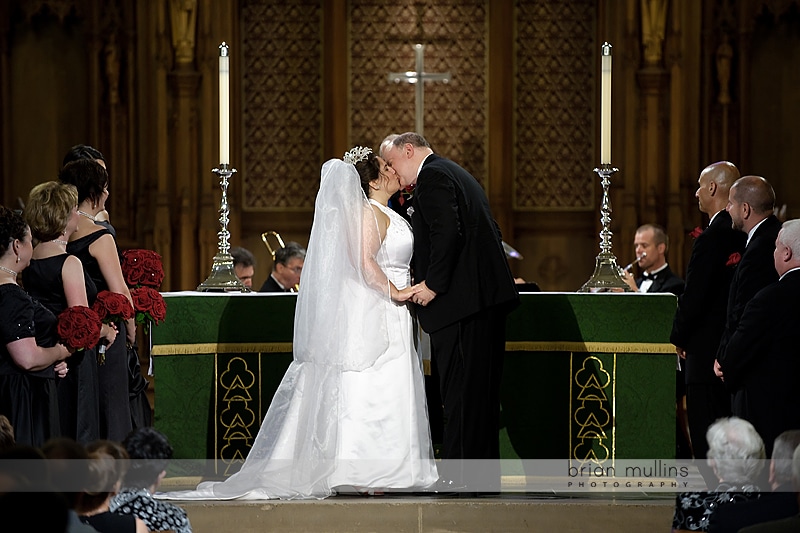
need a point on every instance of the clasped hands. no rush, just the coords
(420, 294)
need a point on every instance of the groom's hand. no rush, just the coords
(424, 295)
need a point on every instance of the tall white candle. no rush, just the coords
(605, 106)
(224, 105)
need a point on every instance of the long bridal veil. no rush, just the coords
(340, 326)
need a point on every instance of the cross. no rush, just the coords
(416, 77)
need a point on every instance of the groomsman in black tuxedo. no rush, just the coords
(751, 202)
(467, 292)
(762, 362)
(650, 244)
(700, 317)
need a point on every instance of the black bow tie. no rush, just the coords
(647, 275)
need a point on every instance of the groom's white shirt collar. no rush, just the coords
(422, 163)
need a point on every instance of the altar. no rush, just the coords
(588, 377)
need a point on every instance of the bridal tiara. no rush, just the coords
(359, 153)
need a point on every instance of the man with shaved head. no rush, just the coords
(700, 317)
(751, 201)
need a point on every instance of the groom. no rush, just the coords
(466, 291)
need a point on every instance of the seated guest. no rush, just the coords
(6, 433)
(244, 265)
(67, 463)
(30, 357)
(785, 525)
(285, 276)
(107, 462)
(736, 456)
(150, 452)
(780, 503)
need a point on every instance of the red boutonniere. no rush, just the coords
(734, 259)
(695, 233)
(405, 195)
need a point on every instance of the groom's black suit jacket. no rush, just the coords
(700, 317)
(762, 361)
(458, 249)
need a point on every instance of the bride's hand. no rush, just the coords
(403, 295)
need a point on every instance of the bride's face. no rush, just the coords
(388, 178)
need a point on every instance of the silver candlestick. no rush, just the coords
(223, 278)
(608, 276)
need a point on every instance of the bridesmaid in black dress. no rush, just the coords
(30, 357)
(95, 247)
(57, 280)
(137, 385)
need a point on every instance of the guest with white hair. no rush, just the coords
(736, 456)
(761, 363)
(786, 525)
(780, 503)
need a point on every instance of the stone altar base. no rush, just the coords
(504, 514)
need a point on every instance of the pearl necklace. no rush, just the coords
(87, 215)
(12, 272)
(59, 241)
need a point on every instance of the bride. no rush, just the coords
(350, 413)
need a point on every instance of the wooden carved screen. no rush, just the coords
(557, 58)
(382, 37)
(282, 110)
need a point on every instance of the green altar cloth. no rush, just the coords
(587, 376)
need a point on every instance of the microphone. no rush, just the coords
(630, 265)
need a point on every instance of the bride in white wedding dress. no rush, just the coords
(350, 412)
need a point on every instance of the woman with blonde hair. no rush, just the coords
(58, 281)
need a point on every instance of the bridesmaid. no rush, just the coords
(30, 357)
(57, 280)
(95, 247)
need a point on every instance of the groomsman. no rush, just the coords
(751, 202)
(700, 317)
(761, 360)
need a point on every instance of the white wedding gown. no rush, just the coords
(329, 428)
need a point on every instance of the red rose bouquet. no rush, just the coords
(78, 328)
(142, 268)
(111, 307)
(148, 304)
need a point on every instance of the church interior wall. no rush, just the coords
(138, 80)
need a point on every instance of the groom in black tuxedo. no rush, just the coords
(466, 292)
(700, 317)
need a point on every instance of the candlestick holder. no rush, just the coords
(607, 275)
(223, 278)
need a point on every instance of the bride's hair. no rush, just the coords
(368, 170)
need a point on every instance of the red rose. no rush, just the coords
(149, 305)
(695, 233)
(112, 307)
(734, 259)
(78, 328)
(142, 268)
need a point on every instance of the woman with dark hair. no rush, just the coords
(97, 250)
(57, 280)
(350, 413)
(30, 357)
(84, 151)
